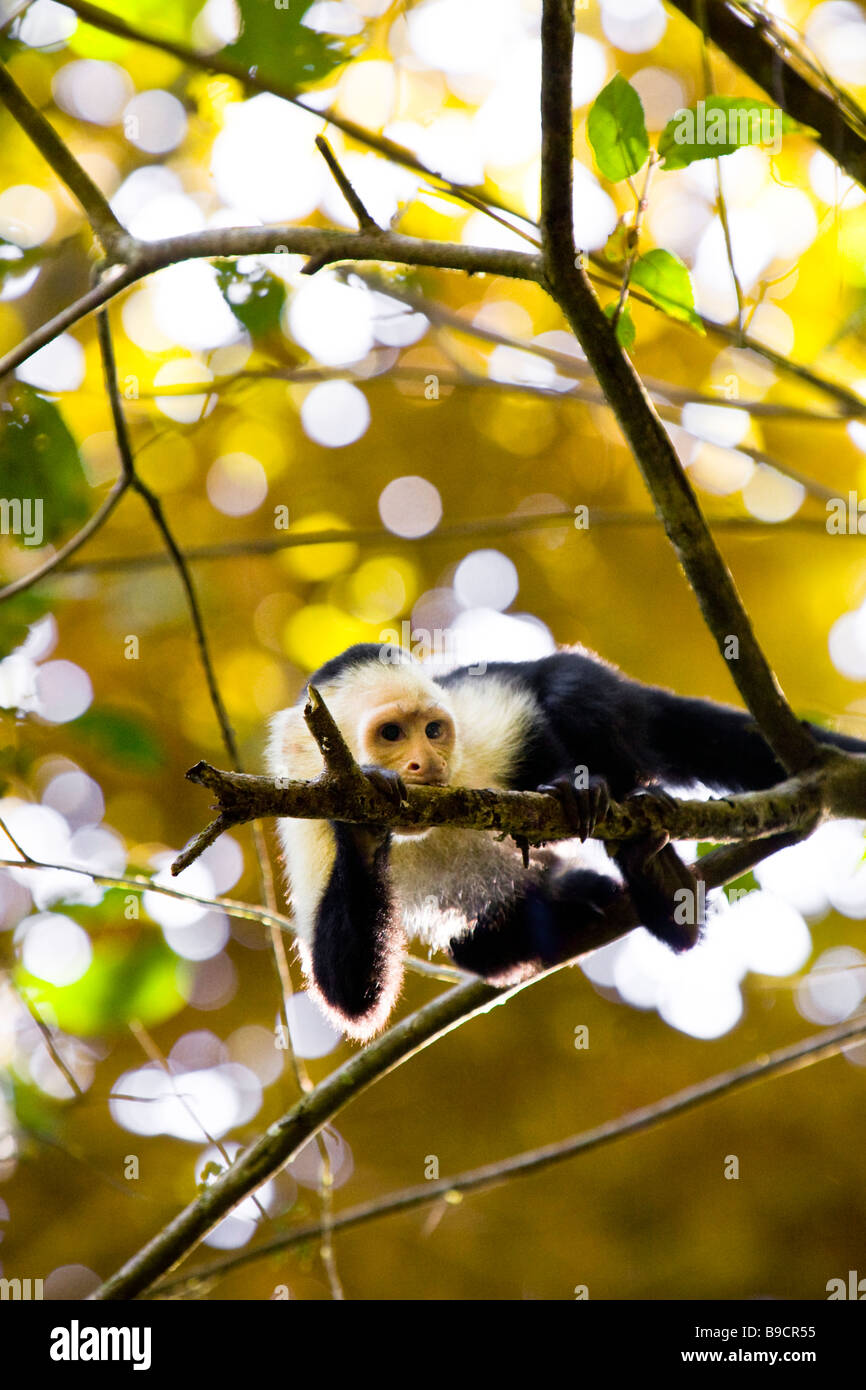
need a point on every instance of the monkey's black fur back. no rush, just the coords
(635, 734)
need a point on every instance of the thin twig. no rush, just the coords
(117, 280)
(365, 221)
(154, 506)
(642, 203)
(666, 391)
(268, 917)
(110, 232)
(102, 513)
(852, 406)
(326, 1228)
(721, 203)
(155, 1055)
(47, 1037)
(250, 80)
(506, 525)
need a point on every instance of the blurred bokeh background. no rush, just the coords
(446, 424)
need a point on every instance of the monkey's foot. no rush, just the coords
(665, 892)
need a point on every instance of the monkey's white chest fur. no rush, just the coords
(443, 880)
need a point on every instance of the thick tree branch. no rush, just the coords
(343, 793)
(283, 1140)
(748, 36)
(669, 487)
(535, 816)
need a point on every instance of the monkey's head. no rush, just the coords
(395, 716)
(390, 712)
(412, 736)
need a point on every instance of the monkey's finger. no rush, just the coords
(600, 793)
(388, 783)
(583, 807)
(658, 794)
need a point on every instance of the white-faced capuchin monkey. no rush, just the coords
(358, 891)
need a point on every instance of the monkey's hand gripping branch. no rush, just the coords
(344, 793)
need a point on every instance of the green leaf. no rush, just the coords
(739, 887)
(125, 980)
(35, 1113)
(13, 260)
(107, 914)
(42, 482)
(275, 42)
(666, 280)
(172, 21)
(255, 297)
(617, 131)
(17, 616)
(125, 740)
(625, 329)
(618, 246)
(720, 125)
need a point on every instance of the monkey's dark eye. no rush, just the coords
(434, 729)
(391, 732)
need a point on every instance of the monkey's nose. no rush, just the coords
(421, 772)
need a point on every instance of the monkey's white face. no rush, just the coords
(417, 741)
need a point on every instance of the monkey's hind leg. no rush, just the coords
(514, 940)
(666, 895)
